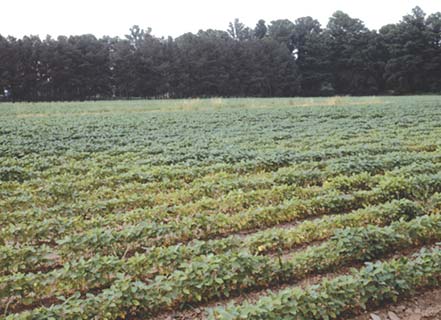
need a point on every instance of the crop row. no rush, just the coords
(245, 146)
(18, 259)
(54, 227)
(377, 282)
(130, 239)
(118, 169)
(67, 189)
(33, 231)
(116, 242)
(202, 143)
(108, 241)
(99, 271)
(216, 276)
(229, 182)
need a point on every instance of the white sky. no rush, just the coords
(175, 17)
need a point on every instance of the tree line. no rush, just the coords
(281, 58)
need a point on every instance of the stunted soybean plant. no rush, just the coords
(150, 209)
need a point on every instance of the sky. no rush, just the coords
(175, 17)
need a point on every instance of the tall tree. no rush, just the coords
(9, 53)
(282, 31)
(413, 53)
(239, 31)
(433, 53)
(306, 42)
(303, 29)
(349, 43)
(261, 30)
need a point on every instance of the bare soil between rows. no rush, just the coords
(425, 305)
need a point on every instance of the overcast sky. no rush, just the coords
(175, 17)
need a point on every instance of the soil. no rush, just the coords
(199, 313)
(424, 306)
(429, 308)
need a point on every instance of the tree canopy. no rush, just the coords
(282, 58)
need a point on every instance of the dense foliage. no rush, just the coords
(283, 58)
(132, 209)
(376, 283)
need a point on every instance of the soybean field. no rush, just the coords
(293, 208)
